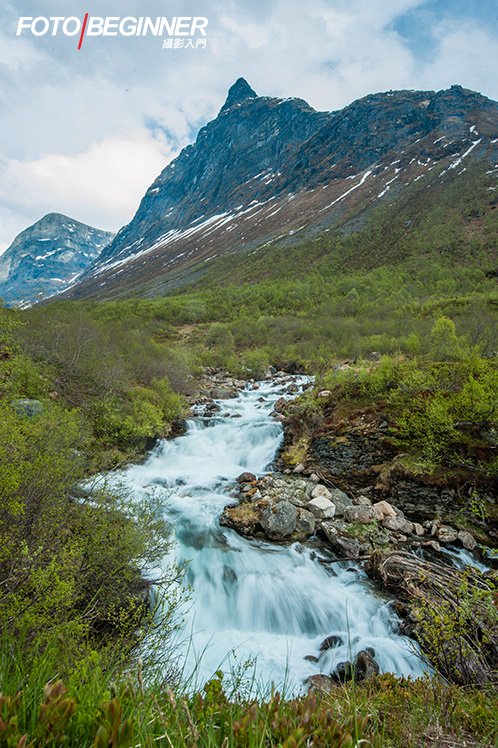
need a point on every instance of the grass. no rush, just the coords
(102, 706)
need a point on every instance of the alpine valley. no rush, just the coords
(274, 171)
(248, 445)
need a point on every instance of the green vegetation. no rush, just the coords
(439, 406)
(72, 560)
(408, 299)
(385, 712)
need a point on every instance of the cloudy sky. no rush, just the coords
(84, 133)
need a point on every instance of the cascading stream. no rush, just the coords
(253, 600)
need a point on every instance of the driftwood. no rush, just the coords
(454, 613)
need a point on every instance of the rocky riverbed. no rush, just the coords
(339, 498)
(289, 508)
(338, 493)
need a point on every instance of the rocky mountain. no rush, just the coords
(47, 257)
(269, 169)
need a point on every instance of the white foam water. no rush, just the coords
(253, 600)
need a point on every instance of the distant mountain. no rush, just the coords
(47, 257)
(269, 169)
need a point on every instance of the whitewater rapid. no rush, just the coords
(253, 601)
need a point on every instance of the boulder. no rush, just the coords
(305, 523)
(433, 544)
(330, 643)
(279, 417)
(344, 545)
(446, 534)
(383, 509)
(359, 514)
(243, 518)
(418, 529)
(467, 540)
(363, 501)
(320, 683)
(322, 508)
(246, 478)
(222, 393)
(434, 525)
(279, 520)
(366, 665)
(398, 524)
(27, 407)
(344, 671)
(341, 501)
(280, 405)
(324, 393)
(321, 490)
(299, 468)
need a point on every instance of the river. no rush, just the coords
(253, 601)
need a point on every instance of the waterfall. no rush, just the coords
(253, 600)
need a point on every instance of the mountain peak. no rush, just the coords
(47, 257)
(239, 92)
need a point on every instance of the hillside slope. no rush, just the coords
(269, 170)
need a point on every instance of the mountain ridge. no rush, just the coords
(267, 168)
(47, 256)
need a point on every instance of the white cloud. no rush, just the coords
(76, 126)
(466, 54)
(101, 186)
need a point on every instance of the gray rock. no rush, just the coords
(364, 667)
(434, 525)
(341, 501)
(418, 529)
(222, 393)
(365, 664)
(359, 514)
(398, 524)
(299, 468)
(321, 490)
(320, 683)
(344, 671)
(344, 545)
(306, 523)
(446, 534)
(322, 508)
(279, 520)
(434, 545)
(246, 478)
(363, 501)
(330, 643)
(27, 407)
(467, 540)
(384, 509)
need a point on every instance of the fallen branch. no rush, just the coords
(453, 612)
